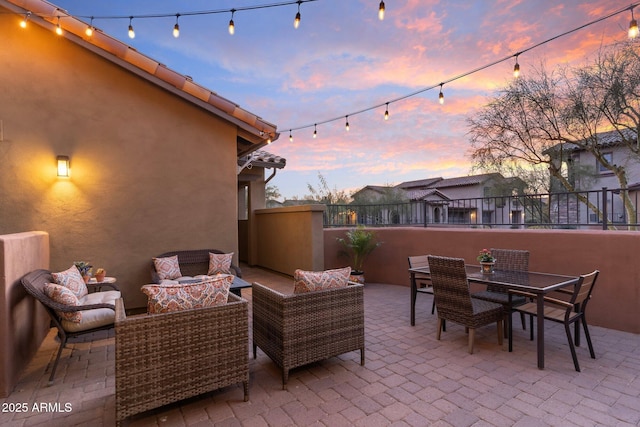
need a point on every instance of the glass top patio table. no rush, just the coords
(533, 282)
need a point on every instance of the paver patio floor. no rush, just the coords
(409, 378)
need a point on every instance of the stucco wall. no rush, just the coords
(616, 299)
(23, 321)
(149, 172)
(290, 238)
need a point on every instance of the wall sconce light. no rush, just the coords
(64, 168)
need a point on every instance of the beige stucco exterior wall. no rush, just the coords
(23, 321)
(290, 238)
(616, 298)
(150, 172)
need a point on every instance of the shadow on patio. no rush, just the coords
(409, 378)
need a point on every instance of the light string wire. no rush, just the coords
(465, 74)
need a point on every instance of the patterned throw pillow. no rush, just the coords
(63, 295)
(219, 263)
(72, 280)
(307, 281)
(185, 296)
(168, 267)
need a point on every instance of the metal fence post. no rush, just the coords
(605, 213)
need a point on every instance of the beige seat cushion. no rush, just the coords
(96, 317)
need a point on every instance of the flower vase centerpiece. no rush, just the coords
(487, 261)
(85, 270)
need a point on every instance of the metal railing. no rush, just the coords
(595, 209)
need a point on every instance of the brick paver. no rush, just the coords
(409, 379)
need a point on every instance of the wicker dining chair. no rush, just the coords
(454, 302)
(506, 260)
(561, 311)
(423, 282)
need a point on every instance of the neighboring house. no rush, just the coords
(586, 174)
(154, 156)
(451, 200)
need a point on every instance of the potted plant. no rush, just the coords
(100, 274)
(487, 261)
(84, 268)
(357, 245)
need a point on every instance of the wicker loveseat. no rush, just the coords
(167, 357)
(192, 263)
(298, 329)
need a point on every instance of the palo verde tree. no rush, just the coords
(524, 126)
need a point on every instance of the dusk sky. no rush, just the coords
(342, 60)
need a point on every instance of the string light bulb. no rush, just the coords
(386, 112)
(23, 23)
(232, 26)
(176, 28)
(346, 124)
(381, 11)
(290, 136)
(441, 95)
(296, 21)
(132, 34)
(633, 27)
(89, 30)
(315, 131)
(516, 69)
(58, 28)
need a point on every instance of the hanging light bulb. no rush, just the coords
(58, 28)
(381, 11)
(290, 136)
(346, 125)
(633, 27)
(269, 139)
(315, 131)
(176, 28)
(132, 34)
(441, 96)
(516, 69)
(89, 30)
(296, 22)
(23, 23)
(386, 112)
(232, 26)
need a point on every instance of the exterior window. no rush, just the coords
(609, 158)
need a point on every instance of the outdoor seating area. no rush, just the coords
(410, 378)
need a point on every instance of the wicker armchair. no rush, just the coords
(298, 329)
(192, 263)
(454, 302)
(423, 282)
(98, 310)
(164, 358)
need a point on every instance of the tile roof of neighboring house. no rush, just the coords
(423, 194)
(253, 131)
(419, 183)
(464, 180)
(604, 139)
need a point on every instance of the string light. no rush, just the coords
(386, 112)
(89, 30)
(232, 26)
(441, 95)
(290, 136)
(296, 21)
(381, 11)
(132, 34)
(23, 23)
(346, 124)
(58, 29)
(516, 68)
(315, 131)
(176, 28)
(633, 27)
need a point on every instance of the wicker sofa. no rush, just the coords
(164, 358)
(298, 329)
(192, 263)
